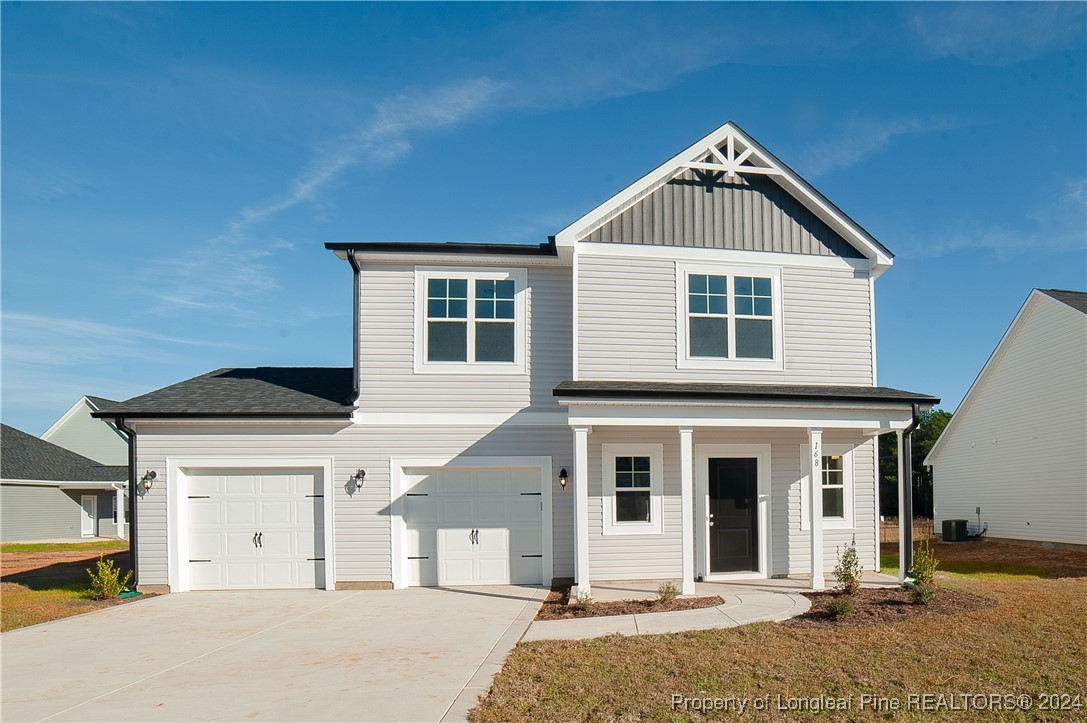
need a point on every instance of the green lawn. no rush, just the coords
(97, 546)
(1033, 642)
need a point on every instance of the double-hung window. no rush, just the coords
(835, 486)
(470, 320)
(632, 488)
(728, 318)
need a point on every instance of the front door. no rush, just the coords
(89, 517)
(733, 505)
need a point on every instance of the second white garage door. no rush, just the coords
(468, 526)
(255, 529)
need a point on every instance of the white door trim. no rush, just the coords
(703, 453)
(398, 487)
(177, 508)
(83, 518)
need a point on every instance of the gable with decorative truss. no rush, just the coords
(726, 191)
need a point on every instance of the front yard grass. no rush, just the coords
(1033, 642)
(48, 581)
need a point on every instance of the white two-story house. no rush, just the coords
(654, 393)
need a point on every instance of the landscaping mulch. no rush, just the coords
(556, 606)
(879, 606)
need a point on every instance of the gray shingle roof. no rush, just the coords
(1076, 299)
(100, 401)
(705, 390)
(24, 456)
(293, 392)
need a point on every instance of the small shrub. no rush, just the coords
(666, 593)
(839, 607)
(583, 602)
(924, 573)
(106, 581)
(848, 569)
(923, 594)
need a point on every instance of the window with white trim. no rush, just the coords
(836, 487)
(632, 488)
(470, 321)
(728, 318)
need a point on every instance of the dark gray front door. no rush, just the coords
(733, 501)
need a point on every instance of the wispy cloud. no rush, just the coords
(997, 33)
(1057, 226)
(859, 138)
(226, 273)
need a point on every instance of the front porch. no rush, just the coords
(708, 491)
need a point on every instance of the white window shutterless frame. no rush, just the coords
(611, 486)
(845, 521)
(481, 313)
(732, 315)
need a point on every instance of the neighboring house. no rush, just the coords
(78, 431)
(649, 395)
(1017, 446)
(48, 492)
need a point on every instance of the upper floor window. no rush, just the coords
(470, 320)
(729, 318)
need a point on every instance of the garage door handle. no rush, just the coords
(254, 539)
(260, 539)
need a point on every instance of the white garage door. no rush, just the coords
(473, 526)
(256, 529)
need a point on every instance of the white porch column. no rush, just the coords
(902, 541)
(120, 497)
(686, 507)
(581, 511)
(815, 444)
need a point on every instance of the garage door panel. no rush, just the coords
(474, 527)
(239, 512)
(240, 484)
(232, 507)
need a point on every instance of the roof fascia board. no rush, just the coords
(74, 484)
(284, 416)
(979, 381)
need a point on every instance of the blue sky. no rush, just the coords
(170, 172)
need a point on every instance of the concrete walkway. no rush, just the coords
(744, 602)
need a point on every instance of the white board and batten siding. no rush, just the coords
(658, 556)
(362, 527)
(1017, 447)
(627, 323)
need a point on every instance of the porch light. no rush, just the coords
(357, 477)
(148, 480)
(564, 478)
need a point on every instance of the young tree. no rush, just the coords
(932, 425)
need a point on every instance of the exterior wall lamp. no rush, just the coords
(357, 477)
(564, 478)
(148, 480)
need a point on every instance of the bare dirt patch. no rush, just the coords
(973, 557)
(557, 607)
(883, 605)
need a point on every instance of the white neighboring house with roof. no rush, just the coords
(1017, 446)
(48, 492)
(96, 439)
(680, 385)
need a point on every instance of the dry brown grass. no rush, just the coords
(1033, 641)
(48, 582)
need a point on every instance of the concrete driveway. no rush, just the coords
(311, 655)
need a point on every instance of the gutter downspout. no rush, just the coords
(905, 515)
(356, 269)
(133, 528)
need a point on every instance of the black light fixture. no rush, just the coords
(357, 477)
(564, 478)
(148, 480)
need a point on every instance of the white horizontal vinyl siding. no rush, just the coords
(637, 557)
(1018, 448)
(362, 524)
(627, 324)
(387, 340)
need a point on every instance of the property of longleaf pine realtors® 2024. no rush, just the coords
(924, 702)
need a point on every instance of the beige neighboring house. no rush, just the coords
(81, 433)
(1017, 446)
